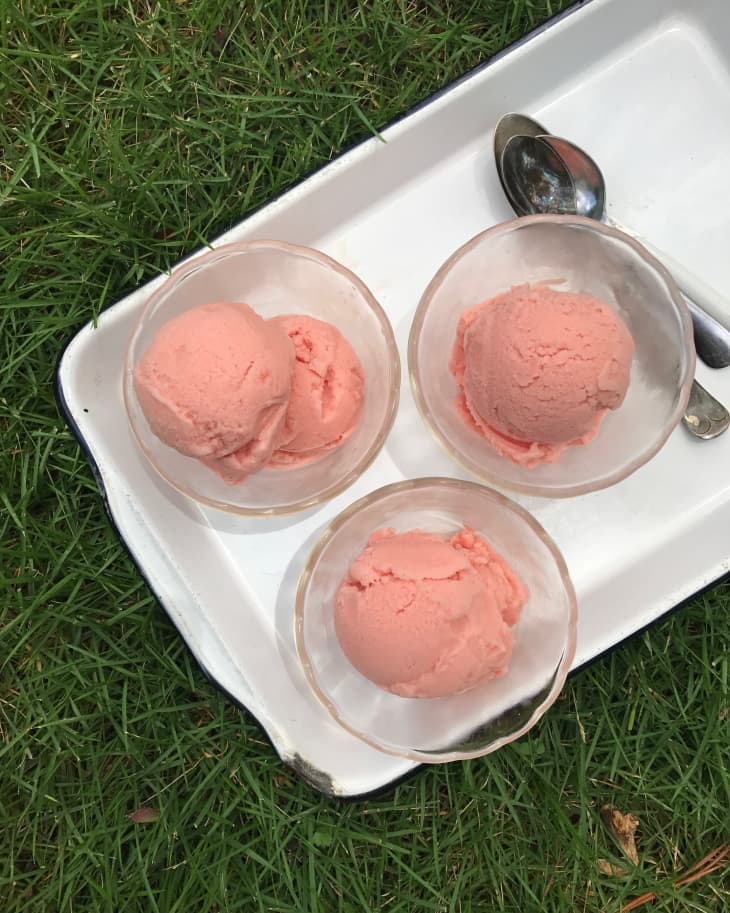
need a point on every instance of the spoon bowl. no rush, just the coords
(537, 179)
(512, 125)
(587, 178)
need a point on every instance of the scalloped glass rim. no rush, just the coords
(194, 263)
(549, 694)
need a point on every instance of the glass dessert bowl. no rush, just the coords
(274, 278)
(567, 254)
(489, 715)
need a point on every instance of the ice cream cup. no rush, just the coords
(488, 716)
(569, 253)
(275, 278)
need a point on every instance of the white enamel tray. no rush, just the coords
(645, 87)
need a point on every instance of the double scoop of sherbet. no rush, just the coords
(537, 370)
(424, 616)
(221, 384)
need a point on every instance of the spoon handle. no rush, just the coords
(712, 339)
(705, 417)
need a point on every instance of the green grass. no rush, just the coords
(131, 132)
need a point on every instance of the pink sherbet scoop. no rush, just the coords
(538, 369)
(427, 617)
(214, 384)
